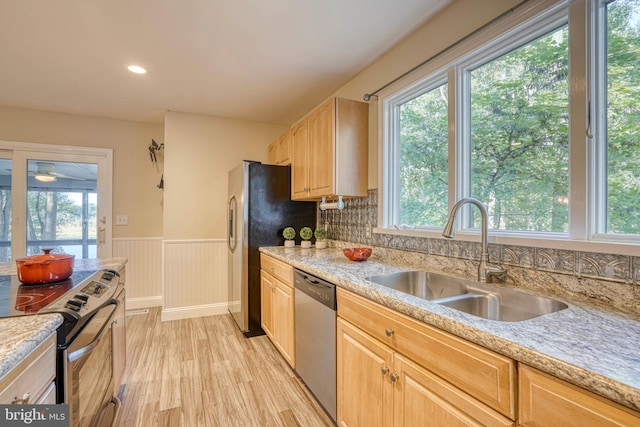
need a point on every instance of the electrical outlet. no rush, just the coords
(367, 231)
(122, 220)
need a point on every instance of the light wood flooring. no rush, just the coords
(204, 372)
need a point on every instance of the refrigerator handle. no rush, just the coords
(232, 241)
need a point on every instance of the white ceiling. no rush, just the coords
(263, 60)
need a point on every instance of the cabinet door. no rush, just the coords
(273, 153)
(321, 150)
(266, 295)
(421, 398)
(283, 321)
(284, 149)
(364, 388)
(548, 401)
(299, 160)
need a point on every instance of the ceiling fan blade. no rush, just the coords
(60, 175)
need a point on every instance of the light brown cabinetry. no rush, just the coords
(549, 401)
(277, 305)
(419, 367)
(280, 150)
(300, 159)
(330, 150)
(32, 380)
(365, 395)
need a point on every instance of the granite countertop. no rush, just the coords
(586, 346)
(20, 335)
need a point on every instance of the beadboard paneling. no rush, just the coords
(143, 270)
(195, 278)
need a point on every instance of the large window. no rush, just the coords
(623, 117)
(519, 136)
(514, 125)
(423, 156)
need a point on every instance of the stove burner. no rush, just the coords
(32, 298)
(20, 299)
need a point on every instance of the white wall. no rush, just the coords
(199, 152)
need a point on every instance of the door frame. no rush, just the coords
(21, 152)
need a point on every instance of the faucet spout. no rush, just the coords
(486, 270)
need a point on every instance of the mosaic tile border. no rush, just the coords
(349, 225)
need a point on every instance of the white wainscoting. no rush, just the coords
(195, 278)
(143, 270)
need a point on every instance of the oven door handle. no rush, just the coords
(87, 349)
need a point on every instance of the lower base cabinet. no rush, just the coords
(364, 387)
(277, 306)
(380, 387)
(549, 401)
(32, 380)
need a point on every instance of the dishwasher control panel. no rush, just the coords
(318, 289)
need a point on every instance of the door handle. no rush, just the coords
(102, 231)
(232, 240)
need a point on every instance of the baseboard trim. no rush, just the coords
(144, 302)
(194, 311)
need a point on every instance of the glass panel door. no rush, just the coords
(62, 207)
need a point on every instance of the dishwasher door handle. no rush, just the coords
(315, 283)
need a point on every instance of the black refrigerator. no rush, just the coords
(259, 207)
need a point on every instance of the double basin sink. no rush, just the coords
(478, 299)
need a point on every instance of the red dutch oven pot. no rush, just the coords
(45, 268)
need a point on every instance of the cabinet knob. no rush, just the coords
(388, 332)
(394, 377)
(384, 370)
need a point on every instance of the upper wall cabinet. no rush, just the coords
(329, 151)
(280, 150)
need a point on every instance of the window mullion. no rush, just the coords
(460, 140)
(580, 91)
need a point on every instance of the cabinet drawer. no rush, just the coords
(549, 401)
(33, 375)
(484, 374)
(277, 269)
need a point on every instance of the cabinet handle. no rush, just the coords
(23, 401)
(388, 332)
(384, 370)
(394, 377)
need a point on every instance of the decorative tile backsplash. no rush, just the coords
(349, 225)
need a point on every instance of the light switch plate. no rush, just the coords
(122, 220)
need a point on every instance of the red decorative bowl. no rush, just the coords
(357, 254)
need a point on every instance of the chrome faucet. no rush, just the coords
(486, 270)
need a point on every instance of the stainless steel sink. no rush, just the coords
(422, 284)
(503, 304)
(477, 299)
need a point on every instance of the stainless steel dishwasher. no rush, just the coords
(315, 326)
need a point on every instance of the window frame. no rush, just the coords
(587, 124)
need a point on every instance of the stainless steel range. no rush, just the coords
(92, 304)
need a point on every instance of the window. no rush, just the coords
(423, 159)
(623, 117)
(503, 117)
(519, 137)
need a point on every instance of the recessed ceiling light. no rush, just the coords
(136, 69)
